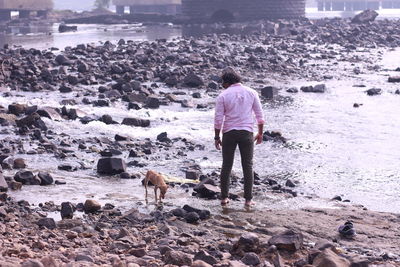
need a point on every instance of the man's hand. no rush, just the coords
(258, 139)
(218, 144)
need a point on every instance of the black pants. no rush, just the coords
(245, 141)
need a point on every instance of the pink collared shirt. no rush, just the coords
(234, 109)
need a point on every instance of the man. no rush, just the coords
(234, 116)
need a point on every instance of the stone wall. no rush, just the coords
(244, 9)
(32, 5)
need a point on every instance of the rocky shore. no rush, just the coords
(139, 76)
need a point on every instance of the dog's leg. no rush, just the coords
(155, 193)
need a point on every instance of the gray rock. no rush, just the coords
(248, 242)
(177, 258)
(192, 174)
(193, 80)
(67, 210)
(45, 178)
(292, 90)
(111, 166)
(47, 223)
(205, 257)
(152, 102)
(251, 259)
(3, 183)
(394, 79)
(83, 257)
(192, 217)
(91, 206)
(374, 91)
(32, 263)
(288, 240)
(365, 16)
(136, 122)
(26, 178)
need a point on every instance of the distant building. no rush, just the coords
(356, 5)
(148, 6)
(25, 7)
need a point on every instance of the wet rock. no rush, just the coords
(205, 257)
(192, 174)
(136, 122)
(45, 178)
(329, 258)
(26, 178)
(3, 183)
(28, 121)
(319, 88)
(110, 152)
(84, 257)
(134, 106)
(177, 258)
(187, 103)
(196, 95)
(63, 60)
(17, 109)
(288, 240)
(248, 242)
(274, 136)
(208, 191)
(65, 28)
(191, 217)
(67, 210)
(171, 81)
(290, 183)
(269, 92)
(111, 166)
(19, 163)
(32, 263)
(292, 90)
(49, 112)
(193, 80)
(48, 223)
(107, 119)
(152, 102)
(397, 92)
(163, 137)
(65, 89)
(251, 259)
(374, 91)
(365, 16)
(394, 79)
(91, 206)
(203, 214)
(178, 212)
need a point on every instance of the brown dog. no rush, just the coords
(158, 181)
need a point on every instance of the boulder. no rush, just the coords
(3, 183)
(47, 223)
(26, 178)
(28, 121)
(192, 217)
(269, 92)
(374, 91)
(328, 258)
(248, 242)
(163, 137)
(45, 178)
(67, 210)
(193, 80)
(288, 240)
(111, 166)
(205, 257)
(17, 109)
(136, 122)
(91, 206)
(251, 259)
(152, 101)
(394, 79)
(178, 258)
(365, 16)
(208, 191)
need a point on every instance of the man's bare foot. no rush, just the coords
(224, 201)
(249, 204)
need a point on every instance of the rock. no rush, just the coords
(319, 88)
(137, 252)
(288, 240)
(111, 166)
(365, 16)
(292, 90)
(213, 85)
(19, 163)
(207, 190)
(63, 60)
(91, 206)
(163, 137)
(72, 79)
(290, 183)
(110, 152)
(200, 263)
(45, 178)
(251, 259)
(196, 95)
(178, 212)
(107, 119)
(32, 263)
(394, 79)
(269, 92)
(274, 136)
(17, 109)
(47, 223)
(152, 101)
(178, 258)
(374, 91)
(136, 122)
(328, 258)
(84, 257)
(205, 257)
(193, 80)
(191, 217)
(28, 121)
(192, 174)
(65, 28)
(48, 261)
(397, 92)
(26, 178)
(134, 105)
(67, 210)
(65, 89)
(248, 242)
(171, 81)
(3, 183)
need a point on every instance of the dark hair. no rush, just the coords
(231, 77)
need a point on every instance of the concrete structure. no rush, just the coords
(243, 9)
(171, 7)
(25, 7)
(356, 5)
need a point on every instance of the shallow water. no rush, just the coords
(334, 149)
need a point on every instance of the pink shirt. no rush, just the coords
(234, 109)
